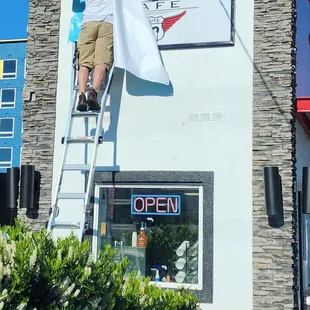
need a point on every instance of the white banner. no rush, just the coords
(135, 48)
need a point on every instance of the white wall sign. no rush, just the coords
(180, 23)
(191, 23)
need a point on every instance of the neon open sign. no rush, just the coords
(156, 204)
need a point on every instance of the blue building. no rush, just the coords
(13, 51)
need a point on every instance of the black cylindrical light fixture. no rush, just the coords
(27, 177)
(12, 180)
(3, 199)
(305, 190)
(273, 196)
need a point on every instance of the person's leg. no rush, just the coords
(98, 77)
(102, 60)
(103, 53)
(86, 47)
(82, 79)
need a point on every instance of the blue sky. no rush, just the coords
(13, 19)
(303, 51)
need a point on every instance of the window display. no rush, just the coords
(157, 227)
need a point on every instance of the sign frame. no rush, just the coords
(133, 212)
(230, 42)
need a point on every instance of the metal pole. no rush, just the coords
(301, 250)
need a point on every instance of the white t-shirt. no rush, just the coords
(98, 10)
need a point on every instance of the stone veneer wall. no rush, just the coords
(40, 99)
(274, 266)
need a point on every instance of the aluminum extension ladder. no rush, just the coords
(67, 140)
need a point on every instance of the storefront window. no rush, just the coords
(158, 228)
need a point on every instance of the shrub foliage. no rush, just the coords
(39, 273)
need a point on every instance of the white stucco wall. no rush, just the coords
(162, 133)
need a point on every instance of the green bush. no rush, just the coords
(39, 273)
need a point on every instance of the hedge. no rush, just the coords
(39, 273)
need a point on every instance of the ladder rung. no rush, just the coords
(90, 139)
(76, 167)
(71, 196)
(84, 114)
(73, 225)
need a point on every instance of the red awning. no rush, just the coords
(303, 104)
(303, 113)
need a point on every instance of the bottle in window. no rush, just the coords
(142, 238)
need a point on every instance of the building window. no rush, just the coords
(5, 157)
(157, 227)
(6, 127)
(7, 97)
(8, 69)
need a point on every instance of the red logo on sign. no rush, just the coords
(161, 25)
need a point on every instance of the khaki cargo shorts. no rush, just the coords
(95, 44)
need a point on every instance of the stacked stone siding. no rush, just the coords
(40, 98)
(274, 144)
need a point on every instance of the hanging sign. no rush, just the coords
(179, 23)
(190, 23)
(155, 204)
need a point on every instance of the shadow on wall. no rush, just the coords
(273, 96)
(138, 87)
(33, 212)
(134, 87)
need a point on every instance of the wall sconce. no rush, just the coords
(12, 182)
(305, 200)
(27, 186)
(273, 196)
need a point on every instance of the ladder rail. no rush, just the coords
(55, 207)
(95, 151)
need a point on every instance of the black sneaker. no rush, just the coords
(92, 101)
(82, 104)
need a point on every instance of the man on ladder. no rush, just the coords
(109, 27)
(95, 49)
